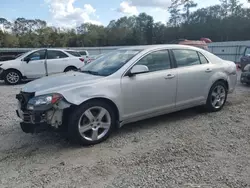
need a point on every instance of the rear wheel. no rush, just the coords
(217, 97)
(12, 77)
(91, 123)
(70, 69)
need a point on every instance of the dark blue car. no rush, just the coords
(245, 59)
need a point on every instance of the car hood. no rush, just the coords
(60, 82)
(8, 62)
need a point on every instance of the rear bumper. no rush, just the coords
(232, 81)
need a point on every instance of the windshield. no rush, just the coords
(23, 55)
(109, 63)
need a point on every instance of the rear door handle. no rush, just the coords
(170, 76)
(208, 70)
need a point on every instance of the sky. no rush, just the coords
(70, 13)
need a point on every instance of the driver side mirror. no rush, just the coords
(27, 60)
(137, 69)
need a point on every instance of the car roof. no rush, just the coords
(70, 50)
(159, 46)
(61, 49)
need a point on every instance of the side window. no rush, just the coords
(186, 58)
(38, 55)
(53, 54)
(156, 61)
(203, 59)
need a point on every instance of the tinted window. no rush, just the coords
(186, 58)
(109, 63)
(53, 54)
(38, 55)
(156, 61)
(247, 51)
(203, 59)
(74, 53)
(83, 53)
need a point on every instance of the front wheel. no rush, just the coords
(91, 123)
(217, 97)
(12, 77)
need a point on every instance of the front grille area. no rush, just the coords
(23, 98)
(27, 117)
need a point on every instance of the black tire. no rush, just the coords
(209, 106)
(73, 130)
(70, 69)
(14, 72)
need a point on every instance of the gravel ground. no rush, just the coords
(184, 149)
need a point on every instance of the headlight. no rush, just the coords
(43, 102)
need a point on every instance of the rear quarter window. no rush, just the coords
(83, 52)
(203, 59)
(74, 53)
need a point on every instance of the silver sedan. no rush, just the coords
(124, 86)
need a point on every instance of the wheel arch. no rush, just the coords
(222, 80)
(13, 69)
(215, 81)
(70, 66)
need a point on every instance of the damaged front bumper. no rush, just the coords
(35, 121)
(2, 74)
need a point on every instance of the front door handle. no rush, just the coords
(208, 70)
(170, 76)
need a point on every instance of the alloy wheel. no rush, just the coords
(218, 97)
(12, 77)
(94, 123)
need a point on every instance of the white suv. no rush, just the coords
(39, 63)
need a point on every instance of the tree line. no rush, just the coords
(227, 21)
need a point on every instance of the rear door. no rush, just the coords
(194, 72)
(57, 61)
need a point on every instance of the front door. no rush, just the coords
(194, 73)
(34, 68)
(151, 92)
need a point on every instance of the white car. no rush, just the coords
(94, 57)
(39, 63)
(84, 54)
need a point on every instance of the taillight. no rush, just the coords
(81, 59)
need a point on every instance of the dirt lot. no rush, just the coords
(184, 149)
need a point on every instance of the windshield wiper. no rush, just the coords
(91, 72)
